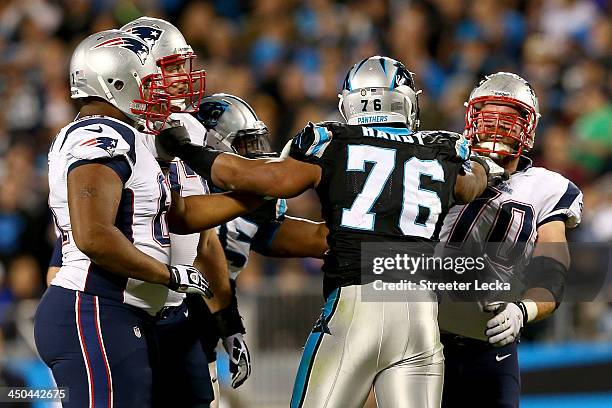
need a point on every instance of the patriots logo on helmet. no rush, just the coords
(140, 49)
(105, 143)
(150, 35)
(210, 112)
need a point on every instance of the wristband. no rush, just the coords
(228, 321)
(199, 158)
(482, 162)
(529, 308)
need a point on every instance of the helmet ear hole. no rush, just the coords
(118, 85)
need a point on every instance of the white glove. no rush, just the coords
(188, 279)
(239, 358)
(505, 327)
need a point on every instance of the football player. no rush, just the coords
(524, 220)
(379, 180)
(110, 201)
(233, 126)
(183, 365)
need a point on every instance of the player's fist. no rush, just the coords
(505, 327)
(239, 358)
(170, 140)
(495, 173)
(187, 279)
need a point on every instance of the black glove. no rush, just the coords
(495, 173)
(171, 139)
(175, 141)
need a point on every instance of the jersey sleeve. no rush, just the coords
(310, 143)
(268, 227)
(563, 203)
(102, 141)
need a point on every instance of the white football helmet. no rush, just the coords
(175, 59)
(378, 90)
(488, 129)
(233, 126)
(117, 67)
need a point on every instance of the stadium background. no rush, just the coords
(288, 58)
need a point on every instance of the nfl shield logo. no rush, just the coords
(137, 332)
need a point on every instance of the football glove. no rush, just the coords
(230, 328)
(495, 173)
(239, 358)
(452, 140)
(188, 279)
(505, 327)
(170, 140)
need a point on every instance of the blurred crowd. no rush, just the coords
(288, 59)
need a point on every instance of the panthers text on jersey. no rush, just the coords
(141, 215)
(378, 184)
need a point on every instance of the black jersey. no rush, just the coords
(378, 184)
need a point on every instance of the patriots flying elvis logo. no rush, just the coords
(140, 49)
(105, 143)
(210, 112)
(150, 35)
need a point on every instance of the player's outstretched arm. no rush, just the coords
(282, 178)
(471, 185)
(299, 238)
(94, 193)
(197, 213)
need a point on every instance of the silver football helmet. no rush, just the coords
(233, 126)
(377, 90)
(491, 130)
(175, 59)
(116, 67)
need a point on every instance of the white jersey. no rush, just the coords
(507, 216)
(186, 182)
(141, 215)
(255, 230)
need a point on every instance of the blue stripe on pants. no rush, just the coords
(310, 350)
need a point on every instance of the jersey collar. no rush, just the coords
(524, 163)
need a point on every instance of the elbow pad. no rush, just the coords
(548, 273)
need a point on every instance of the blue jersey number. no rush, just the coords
(161, 235)
(511, 229)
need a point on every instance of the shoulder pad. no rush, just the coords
(563, 200)
(98, 138)
(440, 137)
(311, 141)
